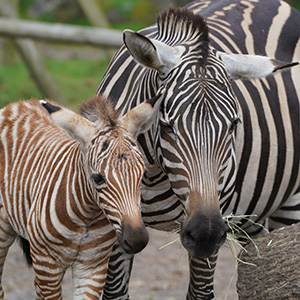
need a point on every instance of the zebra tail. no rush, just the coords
(24, 244)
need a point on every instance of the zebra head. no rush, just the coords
(194, 139)
(112, 161)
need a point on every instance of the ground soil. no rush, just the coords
(157, 273)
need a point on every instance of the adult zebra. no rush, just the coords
(199, 159)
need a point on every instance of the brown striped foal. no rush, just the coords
(70, 186)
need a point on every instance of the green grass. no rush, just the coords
(15, 84)
(77, 80)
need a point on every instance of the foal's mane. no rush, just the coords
(99, 108)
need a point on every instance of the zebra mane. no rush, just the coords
(180, 25)
(99, 107)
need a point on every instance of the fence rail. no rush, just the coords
(22, 34)
(62, 33)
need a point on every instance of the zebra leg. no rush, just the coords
(119, 271)
(201, 277)
(288, 214)
(48, 277)
(7, 237)
(89, 280)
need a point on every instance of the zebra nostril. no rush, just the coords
(188, 239)
(126, 246)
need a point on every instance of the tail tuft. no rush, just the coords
(26, 250)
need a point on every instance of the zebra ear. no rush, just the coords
(152, 53)
(140, 118)
(77, 126)
(252, 66)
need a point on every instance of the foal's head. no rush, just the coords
(113, 160)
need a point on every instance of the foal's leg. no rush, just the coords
(48, 277)
(7, 237)
(89, 281)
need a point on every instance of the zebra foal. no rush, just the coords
(71, 193)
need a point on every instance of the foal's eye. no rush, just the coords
(98, 178)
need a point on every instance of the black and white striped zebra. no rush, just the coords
(220, 144)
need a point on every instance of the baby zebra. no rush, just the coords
(71, 192)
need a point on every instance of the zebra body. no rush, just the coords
(71, 197)
(259, 176)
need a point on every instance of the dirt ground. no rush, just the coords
(157, 273)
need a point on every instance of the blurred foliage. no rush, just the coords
(135, 14)
(25, 4)
(295, 3)
(64, 11)
(77, 80)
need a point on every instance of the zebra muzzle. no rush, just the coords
(203, 235)
(133, 238)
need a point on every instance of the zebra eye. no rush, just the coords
(167, 127)
(234, 124)
(98, 178)
(104, 146)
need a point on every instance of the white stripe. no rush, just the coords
(278, 23)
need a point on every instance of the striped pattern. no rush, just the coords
(266, 151)
(270, 105)
(48, 197)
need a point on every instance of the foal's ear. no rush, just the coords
(140, 118)
(240, 66)
(77, 126)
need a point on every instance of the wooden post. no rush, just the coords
(32, 58)
(9, 53)
(93, 12)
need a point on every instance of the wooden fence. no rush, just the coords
(61, 33)
(23, 33)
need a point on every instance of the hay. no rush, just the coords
(275, 273)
